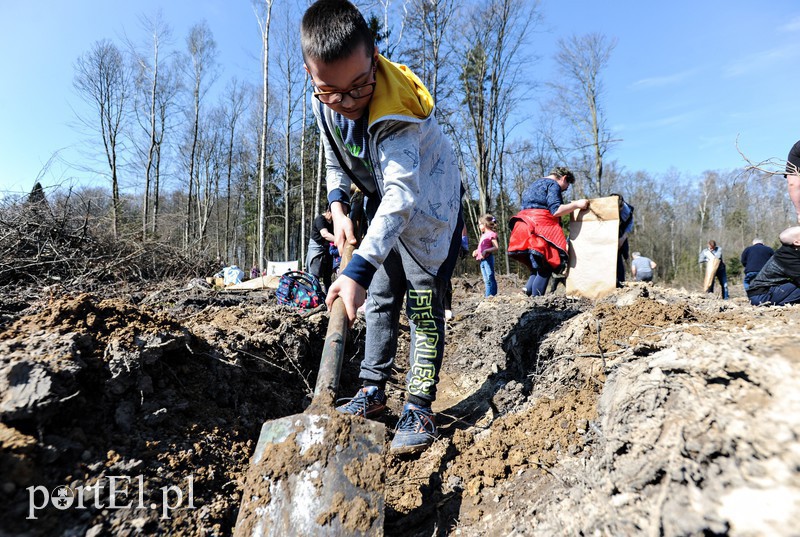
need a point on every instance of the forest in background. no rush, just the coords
(195, 168)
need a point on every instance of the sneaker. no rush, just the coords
(369, 402)
(415, 431)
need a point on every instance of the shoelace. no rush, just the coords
(358, 404)
(413, 416)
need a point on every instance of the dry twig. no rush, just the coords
(772, 166)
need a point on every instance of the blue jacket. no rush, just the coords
(755, 257)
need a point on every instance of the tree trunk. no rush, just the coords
(262, 173)
(152, 147)
(302, 249)
(288, 167)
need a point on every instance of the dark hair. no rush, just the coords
(620, 199)
(712, 243)
(332, 30)
(558, 171)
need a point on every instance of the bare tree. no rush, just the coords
(429, 53)
(103, 79)
(389, 25)
(236, 102)
(202, 66)
(303, 138)
(707, 202)
(170, 86)
(149, 87)
(291, 61)
(210, 165)
(263, 16)
(320, 175)
(780, 167)
(491, 74)
(577, 101)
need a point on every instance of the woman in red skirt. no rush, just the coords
(537, 240)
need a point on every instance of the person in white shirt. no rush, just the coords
(708, 254)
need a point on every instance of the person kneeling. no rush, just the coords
(642, 267)
(778, 283)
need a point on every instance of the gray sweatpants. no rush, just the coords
(401, 277)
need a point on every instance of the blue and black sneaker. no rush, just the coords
(369, 402)
(415, 431)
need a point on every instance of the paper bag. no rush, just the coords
(711, 270)
(594, 236)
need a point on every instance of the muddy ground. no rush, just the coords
(651, 412)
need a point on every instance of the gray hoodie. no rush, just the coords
(414, 175)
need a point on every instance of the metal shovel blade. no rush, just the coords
(320, 472)
(315, 474)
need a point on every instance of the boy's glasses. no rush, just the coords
(335, 97)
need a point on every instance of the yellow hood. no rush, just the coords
(398, 93)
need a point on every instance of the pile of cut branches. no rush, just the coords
(40, 247)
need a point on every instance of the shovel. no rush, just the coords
(320, 472)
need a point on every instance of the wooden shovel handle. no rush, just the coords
(330, 365)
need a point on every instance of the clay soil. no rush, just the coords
(653, 411)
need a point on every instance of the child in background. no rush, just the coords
(484, 253)
(337, 259)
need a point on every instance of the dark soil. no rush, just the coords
(652, 411)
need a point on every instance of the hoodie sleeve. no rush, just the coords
(399, 182)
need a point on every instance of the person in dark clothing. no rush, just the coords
(625, 229)
(559, 279)
(319, 260)
(778, 283)
(537, 240)
(462, 254)
(792, 176)
(753, 259)
(556, 280)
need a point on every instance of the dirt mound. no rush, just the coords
(624, 320)
(651, 411)
(93, 388)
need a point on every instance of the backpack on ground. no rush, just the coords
(300, 290)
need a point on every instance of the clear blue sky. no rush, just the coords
(687, 76)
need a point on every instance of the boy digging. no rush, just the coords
(379, 132)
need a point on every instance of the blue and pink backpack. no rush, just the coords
(300, 290)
